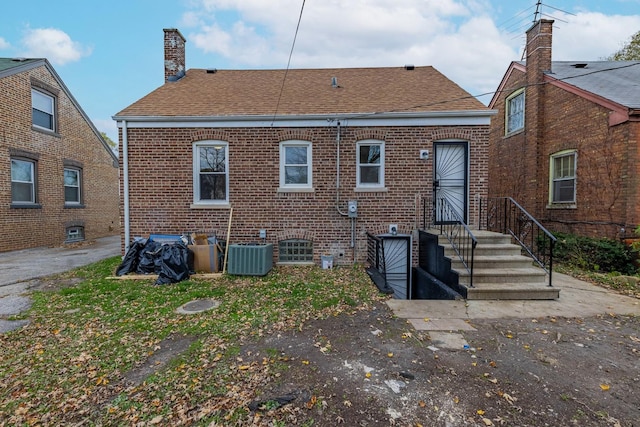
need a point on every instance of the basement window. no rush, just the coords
(295, 251)
(75, 234)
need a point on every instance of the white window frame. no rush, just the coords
(32, 182)
(553, 179)
(46, 104)
(196, 173)
(380, 164)
(511, 116)
(79, 186)
(284, 186)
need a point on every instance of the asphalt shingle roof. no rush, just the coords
(9, 63)
(618, 81)
(304, 92)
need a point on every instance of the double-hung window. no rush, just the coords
(562, 181)
(72, 190)
(43, 110)
(23, 181)
(211, 172)
(370, 164)
(296, 171)
(514, 114)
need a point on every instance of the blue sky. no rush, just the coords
(109, 54)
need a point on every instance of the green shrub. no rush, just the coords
(603, 255)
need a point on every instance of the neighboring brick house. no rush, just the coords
(288, 151)
(59, 177)
(565, 143)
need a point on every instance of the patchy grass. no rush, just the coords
(68, 365)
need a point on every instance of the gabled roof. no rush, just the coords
(617, 81)
(297, 92)
(11, 66)
(614, 81)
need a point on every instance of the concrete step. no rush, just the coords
(486, 250)
(512, 291)
(494, 261)
(503, 275)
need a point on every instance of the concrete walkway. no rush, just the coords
(28, 264)
(577, 299)
(19, 271)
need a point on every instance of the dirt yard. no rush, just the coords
(373, 369)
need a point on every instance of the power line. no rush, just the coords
(462, 98)
(295, 36)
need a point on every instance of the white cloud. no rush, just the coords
(4, 44)
(53, 44)
(591, 36)
(458, 37)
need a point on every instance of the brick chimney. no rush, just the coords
(174, 55)
(538, 62)
(539, 50)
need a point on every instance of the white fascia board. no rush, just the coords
(440, 118)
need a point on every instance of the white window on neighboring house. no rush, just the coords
(296, 165)
(514, 112)
(562, 179)
(370, 164)
(23, 181)
(43, 108)
(72, 182)
(211, 172)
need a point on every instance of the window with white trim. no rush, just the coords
(210, 172)
(43, 108)
(562, 179)
(296, 165)
(370, 164)
(72, 183)
(23, 181)
(514, 112)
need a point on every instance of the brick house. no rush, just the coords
(565, 141)
(59, 177)
(291, 150)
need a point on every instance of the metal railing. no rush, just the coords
(505, 215)
(375, 255)
(452, 226)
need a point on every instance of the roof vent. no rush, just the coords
(581, 65)
(334, 82)
(409, 67)
(211, 71)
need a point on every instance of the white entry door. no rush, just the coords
(450, 180)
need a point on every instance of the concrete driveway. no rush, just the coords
(19, 271)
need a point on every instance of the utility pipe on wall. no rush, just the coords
(338, 171)
(125, 185)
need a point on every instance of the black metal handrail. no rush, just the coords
(453, 227)
(505, 215)
(375, 255)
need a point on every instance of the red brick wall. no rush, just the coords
(75, 141)
(161, 190)
(606, 174)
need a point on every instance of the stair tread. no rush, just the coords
(498, 258)
(505, 271)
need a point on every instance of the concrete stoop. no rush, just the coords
(501, 271)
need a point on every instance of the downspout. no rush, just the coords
(125, 185)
